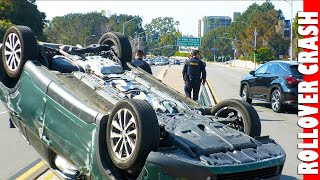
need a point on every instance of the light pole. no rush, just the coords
(138, 37)
(291, 36)
(255, 42)
(124, 23)
(85, 39)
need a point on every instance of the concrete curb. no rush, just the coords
(232, 67)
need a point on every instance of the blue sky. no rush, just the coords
(186, 12)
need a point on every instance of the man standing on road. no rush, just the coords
(139, 62)
(194, 71)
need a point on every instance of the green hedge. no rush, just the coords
(182, 54)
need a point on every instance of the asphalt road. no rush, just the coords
(281, 127)
(157, 69)
(15, 152)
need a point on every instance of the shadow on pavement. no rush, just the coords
(288, 109)
(285, 177)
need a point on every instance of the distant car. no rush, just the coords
(177, 61)
(165, 61)
(158, 62)
(149, 61)
(275, 82)
(228, 62)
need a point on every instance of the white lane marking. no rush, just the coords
(3, 112)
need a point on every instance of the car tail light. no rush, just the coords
(291, 80)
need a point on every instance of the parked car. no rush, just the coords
(91, 115)
(275, 82)
(158, 62)
(165, 61)
(177, 61)
(229, 62)
(149, 61)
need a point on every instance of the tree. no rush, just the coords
(216, 42)
(296, 36)
(279, 45)
(22, 12)
(115, 24)
(4, 25)
(74, 28)
(264, 19)
(161, 32)
(264, 55)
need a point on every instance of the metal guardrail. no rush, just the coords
(207, 96)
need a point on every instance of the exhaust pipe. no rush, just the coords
(69, 170)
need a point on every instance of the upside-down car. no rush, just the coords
(91, 115)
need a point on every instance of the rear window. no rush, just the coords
(294, 70)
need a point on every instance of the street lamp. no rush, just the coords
(255, 42)
(85, 39)
(138, 37)
(291, 47)
(124, 23)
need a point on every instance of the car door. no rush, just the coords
(269, 76)
(256, 83)
(69, 128)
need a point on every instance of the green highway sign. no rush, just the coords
(189, 41)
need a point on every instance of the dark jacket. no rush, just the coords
(194, 69)
(142, 64)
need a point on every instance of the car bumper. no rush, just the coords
(159, 166)
(290, 98)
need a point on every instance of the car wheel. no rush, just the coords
(132, 132)
(276, 101)
(245, 94)
(120, 45)
(19, 46)
(243, 116)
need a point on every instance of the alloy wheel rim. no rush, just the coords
(244, 93)
(123, 134)
(12, 52)
(232, 113)
(275, 100)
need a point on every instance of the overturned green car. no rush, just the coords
(91, 115)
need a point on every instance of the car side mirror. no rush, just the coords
(253, 73)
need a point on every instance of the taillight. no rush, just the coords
(291, 80)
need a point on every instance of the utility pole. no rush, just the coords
(234, 48)
(291, 21)
(124, 23)
(255, 47)
(85, 39)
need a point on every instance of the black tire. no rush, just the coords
(25, 49)
(276, 101)
(250, 121)
(245, 94)
(146, 139)
(120, 45)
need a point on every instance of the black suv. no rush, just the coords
(275, 82)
